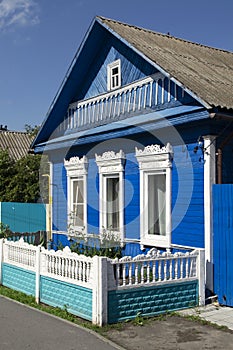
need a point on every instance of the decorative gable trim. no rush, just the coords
(154, 157)
(76, 166)
(110, 162)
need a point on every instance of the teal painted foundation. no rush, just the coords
(18, 279)
(77, 300)
(150, 301)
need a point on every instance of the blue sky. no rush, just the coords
(39, 38)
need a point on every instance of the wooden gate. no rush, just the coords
(223, 242)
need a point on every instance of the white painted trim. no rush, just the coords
(111, 164)
(51, 190)
(209, 180)
(121, 91)
(77, 168)
(154, 159)
(37, 273)
(110, 67)
(1, 257)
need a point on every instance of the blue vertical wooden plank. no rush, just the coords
(229, 245)
(223, 242)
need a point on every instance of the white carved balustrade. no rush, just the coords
(67, 266)
(155, 267)
(20, 254)
(133, 98)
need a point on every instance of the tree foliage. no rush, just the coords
(32, 130)
(19, 180)
(7, 172)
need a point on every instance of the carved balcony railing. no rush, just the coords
(139, 97)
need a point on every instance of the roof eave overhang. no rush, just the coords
(154, 121)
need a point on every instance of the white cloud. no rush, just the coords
(18, 13)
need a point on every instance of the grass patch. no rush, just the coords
(64, 314)
(56, 311)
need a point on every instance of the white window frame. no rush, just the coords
(153, 160)
(76, 169)
(111, 164)
(110, 68)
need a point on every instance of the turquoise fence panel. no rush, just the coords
(150, 301)
(76, 299)
(18, 279)
(23, 217)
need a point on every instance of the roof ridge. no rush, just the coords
(164, 35)
(15, 132)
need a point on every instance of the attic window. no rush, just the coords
(114, 75)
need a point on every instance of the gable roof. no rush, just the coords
(206, 71)
(15, 142)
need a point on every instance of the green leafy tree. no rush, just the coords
(7, 172)
(24, 185)
(32, 130)
(20, 180)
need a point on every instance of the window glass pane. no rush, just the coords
(112, 203)
(115, 71)
(78, 214)
(78, 191)
(157, 204)
(113, 82)
(78, 202)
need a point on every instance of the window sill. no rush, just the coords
(156, 241)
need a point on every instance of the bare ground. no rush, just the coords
(171, 333)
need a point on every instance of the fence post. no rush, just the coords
(37, 285)
(1, 258)
(100, 291)
(201, 276)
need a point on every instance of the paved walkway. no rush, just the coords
(22, 328)
(220, 315)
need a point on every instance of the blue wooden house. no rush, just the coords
(139, 131)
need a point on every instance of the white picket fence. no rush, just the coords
(101, 274)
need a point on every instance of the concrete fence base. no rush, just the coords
(102, 290)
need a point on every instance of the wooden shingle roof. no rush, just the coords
(15, 142)
(205, 71)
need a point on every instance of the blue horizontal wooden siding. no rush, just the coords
(133, 67)
(132, 207)
(93, 197)
(188, 180)
(59, 188)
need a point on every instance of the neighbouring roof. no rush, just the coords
(17, 143)
(206, 71)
